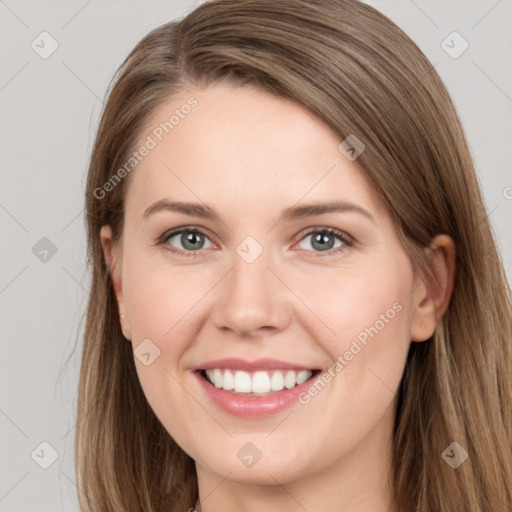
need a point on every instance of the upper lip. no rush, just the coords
(251, 366)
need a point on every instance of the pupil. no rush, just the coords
(192, 239)
(323, 240)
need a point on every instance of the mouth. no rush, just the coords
(256, 383)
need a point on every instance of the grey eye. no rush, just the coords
(191, 240)
(322, 241)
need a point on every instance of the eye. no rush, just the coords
(324, 240)
(191, 239)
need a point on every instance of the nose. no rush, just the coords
(252, 298)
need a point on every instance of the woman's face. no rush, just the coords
(262, 280)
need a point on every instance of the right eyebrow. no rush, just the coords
(193, 209)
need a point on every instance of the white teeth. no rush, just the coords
(229, 381)
(217, 378)
(242, 382)
(303, 376)
(277, 381)
(290, 379)
(259, 382)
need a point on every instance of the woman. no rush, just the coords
(340, 336)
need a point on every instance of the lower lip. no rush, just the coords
(253, 406)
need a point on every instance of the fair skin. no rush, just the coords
(248, 155)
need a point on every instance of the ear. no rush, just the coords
(114, 266)
(432, 294)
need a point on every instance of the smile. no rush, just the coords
(257, 383)
(253, 394)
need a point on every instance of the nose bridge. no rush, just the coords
(252, 296)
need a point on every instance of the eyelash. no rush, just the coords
(346, 239)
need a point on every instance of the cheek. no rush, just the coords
(160, 304)
(371, 318)
(361, 300)
(160, 298)
(375, 309)
(362, 320)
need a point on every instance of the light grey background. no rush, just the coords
(50, 110)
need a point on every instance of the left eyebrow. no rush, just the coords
(312, 209)
(288, 214)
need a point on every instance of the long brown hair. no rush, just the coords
(359, 73)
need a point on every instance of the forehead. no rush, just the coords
(242, 147)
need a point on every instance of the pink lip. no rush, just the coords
(252, 406)
(252, 366)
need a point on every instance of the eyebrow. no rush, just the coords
(288, 214)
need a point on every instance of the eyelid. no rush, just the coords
(176, 231)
